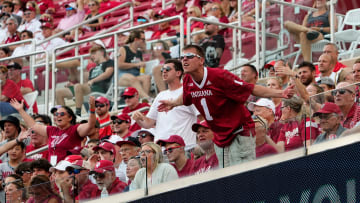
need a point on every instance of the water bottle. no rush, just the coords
(104, 192)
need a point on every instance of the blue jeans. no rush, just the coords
(6, 109)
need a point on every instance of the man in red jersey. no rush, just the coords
(102, 105)
(220, 97)
(131, 97)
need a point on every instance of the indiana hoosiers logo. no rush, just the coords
(97, 165)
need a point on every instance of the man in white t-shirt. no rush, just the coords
(179, 120)
(47, 30)
(30, 21)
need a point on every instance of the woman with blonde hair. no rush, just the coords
(153, 171)
(276, 83)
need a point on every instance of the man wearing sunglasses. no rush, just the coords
(8, 7)
(83, 185)
(175, 151)
(102, 105)
(131, 97)
(30, 22)
(168, 123)
(120, 127)
(220, 97)
(330, 122)
(11, 35)
(344, 97)
(145, 135)
(74, 15)
(104, 173)
(213, 44)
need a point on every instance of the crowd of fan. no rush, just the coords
(145, 145)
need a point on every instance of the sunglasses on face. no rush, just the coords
(25, 172)
(27, 13)
(59, 113)
(171, 149)
(325, 116)
(165, 68)
(99, 105)
(214, 9)
(189, 56)
(128, 97)
(75, 171)
(91, 5)
(141, 20)
(69, 8)
(99, 175)
(142, 135)
(9, 24)
(5, 6)
(340, 91)
(117, 121)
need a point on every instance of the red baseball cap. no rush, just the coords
(75, 151)
(123, 117)
(196, 126)
(72, 158)
(269, 65)
(102, 100)
(162, 13)
(102, 166)
(46, 24)
(105, 146)
(328, 107)
(172, 139)
(30, 8)
(78, 164)
(130, 91)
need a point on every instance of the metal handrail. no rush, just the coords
(115, 34)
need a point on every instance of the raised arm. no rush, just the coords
(6, 147)
(38, 128)
(262, 91)
(85, 128)
(142, 120)
(80, 5)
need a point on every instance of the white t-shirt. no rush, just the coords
(21, 50)
(178, 121)
(33, 26)
(334, 76)
(50, 46)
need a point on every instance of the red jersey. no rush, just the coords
(13, 38)
(265, 149)
(278, 112)
(134, 126)
(28, 84)
(61, 141)
(337, 67)
(220, 98)
(105, 131)
(11, 91)
(173, 12)
(203, 165)
(157, 34)
(116, 187)
(41, 155)
(44, 5)
(104, 6)
(86, 190)
(293, 133)
(352, 117)
(187, 170)
(274, 130)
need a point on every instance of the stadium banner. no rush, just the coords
(330, 176)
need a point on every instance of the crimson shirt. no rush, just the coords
(187, 170)
(293, 133)
(278, 112)
(28, 84)
(86, 190)
(352, 117)
(157, 34)
(61, 141)
(13, 38)
(173, 12)
(337, 67)
(265, 149)
(116, 187)
(11, 91)
(220, 98)
(41, 155)
(105, 131)
(202, 165)
(134, 126)
(274, 130)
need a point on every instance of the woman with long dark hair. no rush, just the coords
(41, 191)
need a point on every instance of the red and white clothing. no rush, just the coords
(265, 149)
(352, 117)
(293, 133)
(11, 91)
(5, 170)
(33, 26)
(106, 5)
(69, 21)
(61, 141)
(274, 130)
(6, 37)
(173, 12)
(134, 126)
(28, 84)
(203, 165)
(41, 155)
(187, 170)
(21, 50)
(220, 98)
(105, 131)
(116, 187)
(51, 45)
(278, 112)
(158, 33)
(86, 190)
(337, 67)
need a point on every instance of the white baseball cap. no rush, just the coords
(262, 102)
(61, 166)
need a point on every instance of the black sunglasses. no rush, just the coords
(143, 135)
(99, 105)
(99, 175)
(75, 171)
(189, 56)
(117, 121)
(166, 68)
(171, 149)
(128, 97)
(341, 91)
(59, 114)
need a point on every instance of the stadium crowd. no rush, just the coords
(203, 117)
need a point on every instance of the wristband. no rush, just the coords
(92, 112)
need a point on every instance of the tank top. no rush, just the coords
(132, 57)
(319, 21)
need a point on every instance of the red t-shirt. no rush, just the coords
(86, 190)
(11, 91)
(134, 126)
(28, 84)
(187, 170)
(44, 5)
(278, 112)
(116, 187)
(352, 117)
(265, 149)
(274, 130)
(173, 12)
(61, 141)
(293, 133)
(220, 98)
(202, 165)
(196, 24)
(157, 34)
(41, 155)
(104, 6)
(337, 67)
(105, 131)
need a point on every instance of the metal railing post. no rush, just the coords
(257, 32)
(47, 83)
(332, 21)
(239, 31)
(263, 34)
(81, 69)
(234, 54)
(53, 78)
(181, 33)
(282, 25)
(116, 71)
